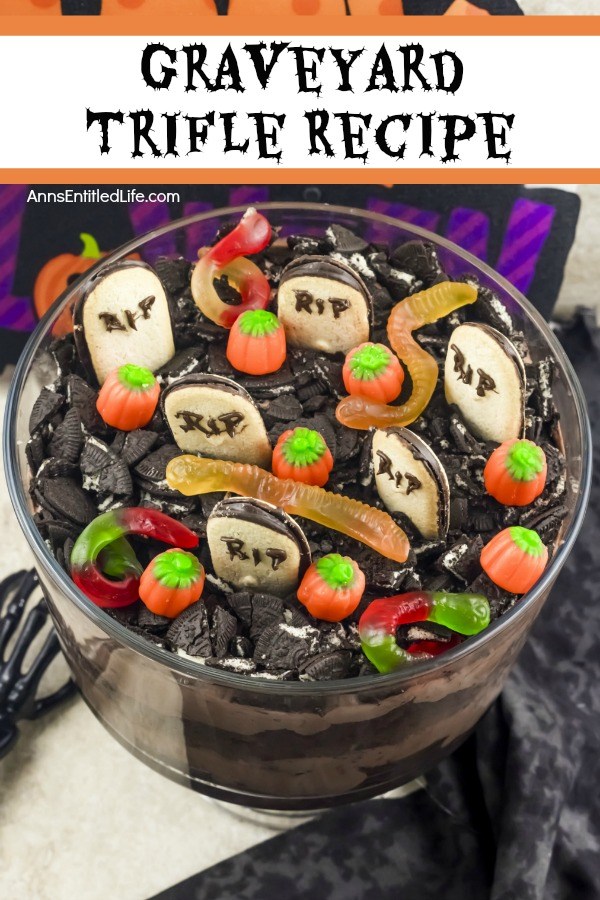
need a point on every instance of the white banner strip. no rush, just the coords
(462, 102)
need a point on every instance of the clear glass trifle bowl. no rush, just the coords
(288, 745)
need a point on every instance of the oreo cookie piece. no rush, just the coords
(398, 283)
(151, 622)
(234, 664)
(256, 546)
(135, 445)
(418, 258)
(411, 480)
(190, 631)
(64, 498)
(123, 316)
(44, 409)
(343, 240)
(35, 452)
(174, 274)
(423, 631)
(324, 304)
(283, 409)
(484, 377)
(82, 397)
(185, 362)
(153, 469)
(489, 309)
(304, 244)
(326, 666)
(103, 472)
(267, 609)
(462, 558)
(67, 440)
(224, 628)
(55, 468)
(283, 647)
(215, 417)
(241, 604)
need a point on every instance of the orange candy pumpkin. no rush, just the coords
(172, 582)
(373, 371)
(256, 343)
(55, 277)
(514, 559)
(302, 455)
(128, 398)
(515, 473)
(332, 588)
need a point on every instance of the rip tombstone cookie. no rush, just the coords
(256, 546)
(323, 304)
(123, 316)
(216, 417)
(484, 377)
(411, 480)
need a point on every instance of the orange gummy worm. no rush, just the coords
(195, 475)
(411, 313)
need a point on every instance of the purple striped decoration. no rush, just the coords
(528, 228)
(147, 216)
(425, 218)
(197, 235)
(15, 312)
(470, 229)
(250, 193)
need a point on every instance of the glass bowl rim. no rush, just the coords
(186, 666)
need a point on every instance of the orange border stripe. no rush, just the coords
(318, 26)
(299, 176)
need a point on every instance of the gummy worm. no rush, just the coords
(413, 312)
(193, 475)
(101, 550)
(465, 613)
(227, 257)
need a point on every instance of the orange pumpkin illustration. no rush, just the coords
(56, 276)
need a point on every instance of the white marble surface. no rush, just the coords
(80, 817)
(560, 7)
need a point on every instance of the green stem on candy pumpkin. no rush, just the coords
(303, 447)
(335, 571)
(91, 250)
(176, 569)
(136, 378)
(527, 540)
(258, 322)
(524, 461)
(369, 363)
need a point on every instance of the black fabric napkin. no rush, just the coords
(515, 813)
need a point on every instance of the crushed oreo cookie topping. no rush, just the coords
(249, 619)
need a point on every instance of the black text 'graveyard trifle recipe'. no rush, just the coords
(306, 458)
